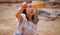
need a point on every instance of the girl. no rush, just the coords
(25, 20)
(29, 27)
(19, 18)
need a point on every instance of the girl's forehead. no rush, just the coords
(29, 4)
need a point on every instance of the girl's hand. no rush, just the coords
(24, 5)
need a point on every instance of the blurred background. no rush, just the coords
(48, 14)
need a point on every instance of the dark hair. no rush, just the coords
(29, 1)
(24, 12)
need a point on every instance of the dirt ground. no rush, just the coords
(8, 21)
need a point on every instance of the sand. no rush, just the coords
(8, 21)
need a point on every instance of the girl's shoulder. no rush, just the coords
(24, 16)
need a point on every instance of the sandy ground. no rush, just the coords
(8, 21)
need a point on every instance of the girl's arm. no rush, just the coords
(18, 15)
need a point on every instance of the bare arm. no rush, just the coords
(18, 15)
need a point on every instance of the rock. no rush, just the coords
(49, 16)
(43, 13)
(54, 14)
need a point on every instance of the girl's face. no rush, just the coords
(29, 11)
